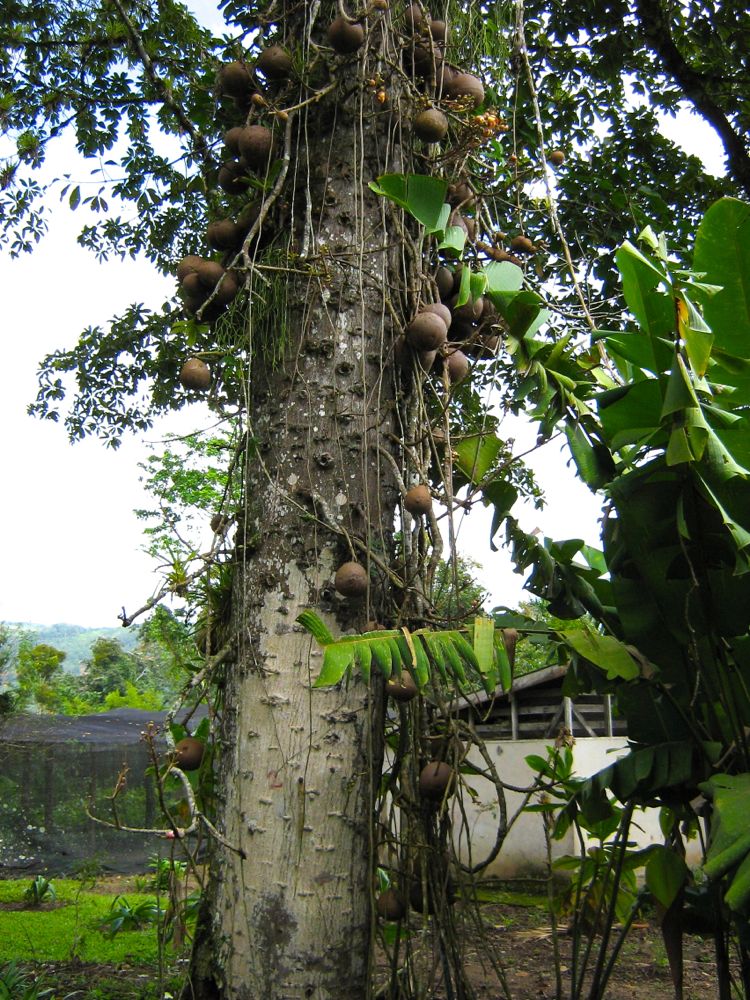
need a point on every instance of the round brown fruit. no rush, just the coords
(402, 688)
(232, 177)
(228, 289)
(415, 17)
(461, 194)
(418, 500)
(232, 140)
(435, 780)
(189, 753)
(234, 79)
(390, 905)
(195, 374)
(423, 58)
(431, 125)
(444, 282)
(188, 265)
(556, 157)
(224, 234)
(522, 244)
(439, 31)
(256, 144)
(345, 37)
(464, 85)
(209, 273)
(458, 365)
(274, 62)
(351, 579)
(440, 310)
(426, 332)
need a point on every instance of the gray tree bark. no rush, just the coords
(288, 911)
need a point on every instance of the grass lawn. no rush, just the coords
(66, 930)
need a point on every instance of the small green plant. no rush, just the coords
(164, 869)
(124, 917)
(15, 984)
(40, 891)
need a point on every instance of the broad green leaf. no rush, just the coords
(454, 240)
(729, 846)
(336, 661)
(605, 651)
(425, 198)
(651, 354)
(502, 276)
(680, 393)
(594, 462)
(641, 279)
(501, 495)
(478, 284)
(523, 312)
(420, 194)
(317, 629)
(666, 873)
(697, 336)
(722, 253)
(464, 287)
(475, 455)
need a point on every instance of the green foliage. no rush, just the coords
(134, 698)
(40, 891)
(124, 916)
(166, 870)
(473, 657)
(15, 984)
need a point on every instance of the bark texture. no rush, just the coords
(288, 909)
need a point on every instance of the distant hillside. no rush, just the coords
(75, 640)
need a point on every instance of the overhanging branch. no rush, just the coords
(656, 30)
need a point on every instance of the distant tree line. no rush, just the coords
(33, 678)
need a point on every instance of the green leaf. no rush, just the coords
(475, 455)
(336, 661)
(722, 253)
(484, 636)
(422, 195)
(364, 660)
(312, 624)
(381, 653)
(605, 651)
(500, 494)
(697, 336)
(74, 199)
(478, 284)
(653, 309)
(464, 287)
(666, 873)
(454, 241)
(502, 276)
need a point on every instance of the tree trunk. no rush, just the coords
(288, 910)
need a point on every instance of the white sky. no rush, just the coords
(71, 545)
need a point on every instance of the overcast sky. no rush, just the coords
(71, 545)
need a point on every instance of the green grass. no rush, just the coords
(70, 931)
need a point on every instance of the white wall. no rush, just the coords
(524, 851)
